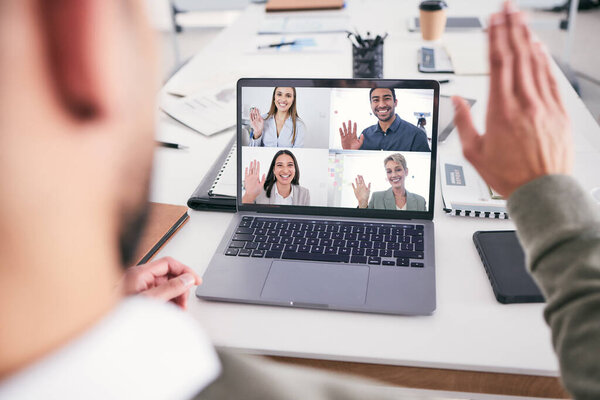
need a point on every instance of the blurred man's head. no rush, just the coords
(77, 83)
(77, 86)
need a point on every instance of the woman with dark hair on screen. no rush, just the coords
(281, 186)
(396, 197)
(281, 127)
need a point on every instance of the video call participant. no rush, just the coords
(396, 197)
(281, 186)
(391, 133)
(282, 127)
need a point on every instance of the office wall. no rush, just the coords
(312, 164)
(313, 106)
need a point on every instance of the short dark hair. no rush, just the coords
(270, 179)
(390, 89)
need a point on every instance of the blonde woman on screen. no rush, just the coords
(396, 197)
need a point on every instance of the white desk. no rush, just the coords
(468, 331)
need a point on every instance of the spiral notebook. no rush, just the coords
(465, 193)
(217, 191)
(224, 183)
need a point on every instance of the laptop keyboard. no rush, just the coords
(330, 241)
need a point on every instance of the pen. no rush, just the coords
(171, 145)
(268, 46)
(444, 81)
(353, 40)
(377, 41)
(358, 38)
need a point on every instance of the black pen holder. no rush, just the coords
(367, 60)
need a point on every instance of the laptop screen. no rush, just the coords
(337, 147)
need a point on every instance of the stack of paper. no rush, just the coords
(208, 112)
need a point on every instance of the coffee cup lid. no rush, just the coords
(433, 5)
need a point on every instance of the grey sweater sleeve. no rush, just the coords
(558, 225)
(254, 378)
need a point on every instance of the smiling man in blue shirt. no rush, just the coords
(391, 132)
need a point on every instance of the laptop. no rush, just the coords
(335, 197)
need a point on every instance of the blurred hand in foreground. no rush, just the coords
(165, 279)
(528, 132)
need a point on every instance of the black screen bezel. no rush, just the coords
(341, 83)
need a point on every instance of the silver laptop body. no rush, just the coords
(328, 253)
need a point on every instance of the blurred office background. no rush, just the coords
(184, 27)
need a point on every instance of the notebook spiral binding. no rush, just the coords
(232, 153)
(477, 214)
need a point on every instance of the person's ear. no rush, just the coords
(82, 45)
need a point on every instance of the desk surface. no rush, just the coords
(469, 329)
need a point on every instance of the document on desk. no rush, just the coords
(299, 24)
(185, 82)
(207, 112)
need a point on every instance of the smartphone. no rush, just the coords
(504, 263)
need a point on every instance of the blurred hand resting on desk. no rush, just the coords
(528, 132)
(165, 279)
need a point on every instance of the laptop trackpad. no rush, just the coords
(318, 284)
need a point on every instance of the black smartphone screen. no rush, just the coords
(504, 262)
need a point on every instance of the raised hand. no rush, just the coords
(362, 192)
(257, 122)
(528, 132)
(252, 182)
(165, 279)
(348, 137)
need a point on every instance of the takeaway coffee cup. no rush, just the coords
(432, 18)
